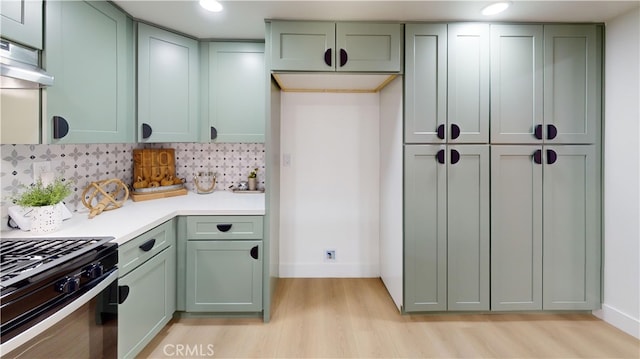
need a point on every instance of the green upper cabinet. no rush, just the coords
(168, 86)
(468, 83)
(572, 83)
(516, 83)
(545, 232)
(446, 228)
(89, 51)
(545, 84)
(425, 83)
(21, 21)
(234, 95)
(329, 46)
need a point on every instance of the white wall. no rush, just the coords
(621, 305)
(329, 190)
(391, 174)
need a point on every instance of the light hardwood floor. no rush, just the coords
(356, 318)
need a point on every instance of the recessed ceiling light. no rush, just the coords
(211, 5)
(495, 8)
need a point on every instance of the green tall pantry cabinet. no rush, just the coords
(168, 86)
(545, 167)
(89, 50)
(446, 168)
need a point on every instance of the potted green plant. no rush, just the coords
(253, 180)
(44, 200)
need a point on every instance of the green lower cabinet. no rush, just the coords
(545, 233)
(224, 276)
(446, 228)
(150, 303)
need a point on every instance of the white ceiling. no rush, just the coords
(242, 19)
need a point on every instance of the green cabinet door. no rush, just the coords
(572, 83)
(425, 83)
(236, 92)
(21, 21)
(224, 276)
(302, 45)
(425, 229)
(368, 47)
(89, 51)
(516, 228)
(571, 222)
(150, 302)
(468, 83)
(516, 83)
(468, 227)
(168, 87)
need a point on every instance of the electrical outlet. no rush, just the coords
(39, 168)
(330, 255)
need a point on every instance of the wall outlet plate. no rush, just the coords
(38, 168)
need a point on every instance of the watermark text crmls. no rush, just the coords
(188, 350)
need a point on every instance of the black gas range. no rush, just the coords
(40, 276)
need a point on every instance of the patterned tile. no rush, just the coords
(82, 164)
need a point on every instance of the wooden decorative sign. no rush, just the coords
(154, 174)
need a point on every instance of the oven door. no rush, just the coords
(85, 328)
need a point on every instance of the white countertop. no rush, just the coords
(135, 218)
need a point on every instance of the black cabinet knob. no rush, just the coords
(254, 252)
(123, 293)
(146, 131)
(440, 156)
(214, 133)
(224, 227)
(146, 246)
(455, 157)
(60, 127)
(455, 131)
(440, 132)
(537, 157)
(552, 157)
(327, 57)
(343, 57)
(552, 132)
(538, 132)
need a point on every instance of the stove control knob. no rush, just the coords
(93, 271)
(68, 285)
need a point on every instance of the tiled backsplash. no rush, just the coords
(83, 164)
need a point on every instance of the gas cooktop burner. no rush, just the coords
(21, 258)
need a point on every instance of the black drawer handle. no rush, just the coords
(224, 227)
(60, 127)
(146, 246)
(552, 132)
(538, 132)
(146, 131)
(214, 133)
(552, 157)
(440, 156)
(537, 157)
(123, 293)
(455, 131)
(254, 252)
(343, 57)
(455, 157)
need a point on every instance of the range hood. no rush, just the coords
(332, 82)
(19, 68)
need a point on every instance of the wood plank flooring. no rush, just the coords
(356, 318)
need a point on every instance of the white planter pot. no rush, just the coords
(46, 219)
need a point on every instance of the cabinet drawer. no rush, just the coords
(138, 250)
(224, 227)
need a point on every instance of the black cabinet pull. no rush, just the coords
(343, 57)
(254, 252)
(455, 131)
(60, 127)
(552, 157)
(440, 156)
(455, 157)
(146, 131)
(537, 157)
(552, 132)
(214, 133)
(224, 227)
(123, 293)
(327, 57)
(441, 132)
(146, 246)
(538, 132)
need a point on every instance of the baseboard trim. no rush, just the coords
(620, 320)
(329, 270)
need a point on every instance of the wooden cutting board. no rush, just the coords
(136, 197)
